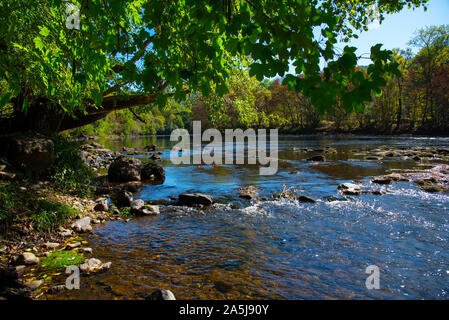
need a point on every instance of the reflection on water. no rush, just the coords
(280, 249)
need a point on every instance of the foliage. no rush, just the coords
(156, 120)
(69, 173)
(8, 201)
(238, 108)
(135, 52)
(125, 212)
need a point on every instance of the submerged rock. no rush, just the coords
(155, 157)
(191, 199)
(334, 198)
(151, 147)
(94, 265)
(305, 199)
(248, 193)
(382, 180)
(432, 188)
(318, 158)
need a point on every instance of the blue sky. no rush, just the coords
(397, 29)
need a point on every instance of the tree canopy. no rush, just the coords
(64, 65)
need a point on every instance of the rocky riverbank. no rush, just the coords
(33, 259)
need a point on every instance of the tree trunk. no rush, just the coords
(45, 117)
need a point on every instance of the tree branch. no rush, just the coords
(139, 54)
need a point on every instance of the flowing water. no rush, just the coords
(280, 249)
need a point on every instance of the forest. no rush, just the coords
(416, 102)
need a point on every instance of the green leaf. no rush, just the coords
(38, 43)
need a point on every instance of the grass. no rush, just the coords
(51, 214)
(8, 201)
(61, 259)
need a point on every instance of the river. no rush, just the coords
(280, 248)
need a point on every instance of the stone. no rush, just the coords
(65, 233)
(20, 270)
(27, 258)
(191, 199)
(74, 245)
(124, 169)
(137, 205)
(155, 157)
(151, 147)
(149, 210)
(102, 205)
(35, 284)
(161, 294)
(123, 199)
(87, 250)
(51, 245)
(431, 188)
(318, 158)
(7, 175)
(350, 189)
(56, 289)
(153, 172)
(32, 150)
(248, 193)
(94, 265)
(305, 199)
(382, 180)
(82, 225)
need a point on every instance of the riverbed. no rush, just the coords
(281, 248)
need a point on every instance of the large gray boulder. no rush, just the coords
(32, 150)
(124, 169)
